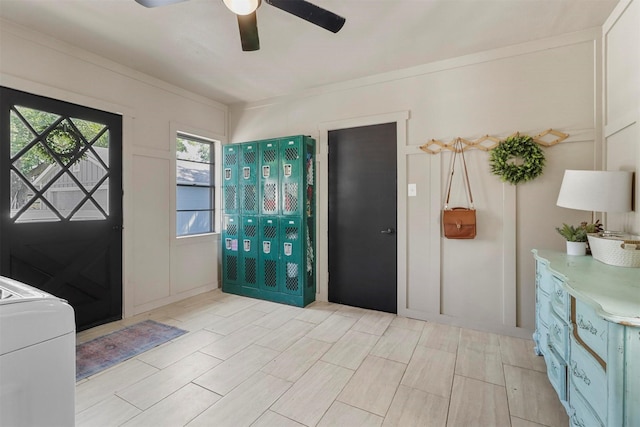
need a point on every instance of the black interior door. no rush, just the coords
(61, 202)
(362, 217)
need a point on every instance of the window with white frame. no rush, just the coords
(195, 185)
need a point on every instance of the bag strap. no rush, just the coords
(452, 164)
(466, 175)
(458, 147)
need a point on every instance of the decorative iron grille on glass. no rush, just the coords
(59, 167)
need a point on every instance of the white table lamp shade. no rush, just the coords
(599, 191)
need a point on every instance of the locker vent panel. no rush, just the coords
(232, 267)
(292, 276)
(290, 196)
(250, 230)
(230, 159)
(269, 156)
(269, 232)
(270, 273)
(230, 197)
(291, 153)
(250, 270)
(232, 229)
(250, 198)
(291, 233)
(269, 197)
(249, 157)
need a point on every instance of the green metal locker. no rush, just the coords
(269, 177)
(249, 247)
(268, 258)
(230, 161)
(292, 266)
(230, 253)
(248, 178)
(275, 260)
(291, 175)
(309, 291)
(297, 258)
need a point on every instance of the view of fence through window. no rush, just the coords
(59, 167)
(195, 205)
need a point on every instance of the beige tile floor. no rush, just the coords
(247, 362)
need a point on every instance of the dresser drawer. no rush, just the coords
(560, 299)
(544, 277)
(543, 305)
(559, 336)
(541, 338)
(581, 413)
(557, 372)
(588, 377)
(591, 329)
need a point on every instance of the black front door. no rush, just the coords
(61, 202)
(362, 217)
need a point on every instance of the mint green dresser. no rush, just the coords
(588, 331)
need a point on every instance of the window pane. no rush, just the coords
(193, 222)
(187, 149)
(193, 173)
(192, 198)
(194, 185)
(88, 211)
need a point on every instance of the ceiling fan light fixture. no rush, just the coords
(242, 7)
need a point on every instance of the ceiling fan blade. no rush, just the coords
(248, 25)
(156, 3)
(311, 13)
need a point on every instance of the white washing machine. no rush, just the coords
(37, 357)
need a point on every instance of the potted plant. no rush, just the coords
(576, 237)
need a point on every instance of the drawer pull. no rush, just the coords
(580, 373)
(587, 326)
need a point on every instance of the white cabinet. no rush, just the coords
(588, 331)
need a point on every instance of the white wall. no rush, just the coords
(487, 282)
(621, 61)
(158, 268)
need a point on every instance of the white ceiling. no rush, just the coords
(195, 44)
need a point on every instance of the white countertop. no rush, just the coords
(614, 292)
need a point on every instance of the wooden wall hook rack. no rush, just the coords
(486, 143)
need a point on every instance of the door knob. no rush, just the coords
(387, 231)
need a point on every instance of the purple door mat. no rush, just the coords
(105, 351)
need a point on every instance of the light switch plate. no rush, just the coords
(411, 191)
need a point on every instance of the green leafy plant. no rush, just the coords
(572, 234)
(579, 233)
(595, 227)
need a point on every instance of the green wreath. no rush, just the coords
(64, 141)
(517, 147)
